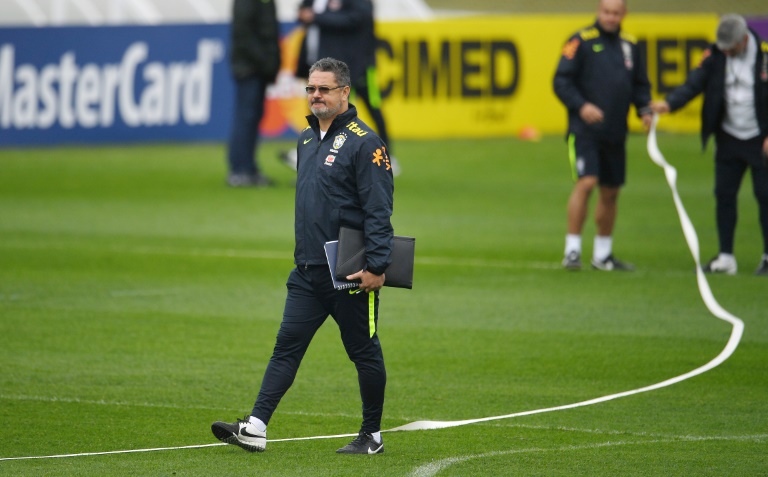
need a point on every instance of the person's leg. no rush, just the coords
(613, 160)
(729, 172)
(576, 212)
(302, 317)
(759, 172)
(578, 203)
(367, 89)
(243, 138)
(357, 317)
(605, 210)
(582, 154)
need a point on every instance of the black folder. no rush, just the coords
(351, 258)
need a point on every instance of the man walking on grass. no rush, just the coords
(344, 179)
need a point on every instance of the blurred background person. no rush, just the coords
(345, 30)
(254, 61)
(601, 72)
(733, 75)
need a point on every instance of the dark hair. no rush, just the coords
(332, 65)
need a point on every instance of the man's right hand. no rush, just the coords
(368, 281)
(591, 114)
(306, 15)
(660, 107)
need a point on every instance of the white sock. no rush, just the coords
(603, 246)
(377, 436)
(572, 244)
(258, 423)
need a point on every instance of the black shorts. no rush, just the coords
(594, 157)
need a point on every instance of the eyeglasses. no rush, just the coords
(323, 89)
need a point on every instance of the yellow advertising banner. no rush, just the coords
(492, 76)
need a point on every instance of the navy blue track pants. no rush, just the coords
(311, 299)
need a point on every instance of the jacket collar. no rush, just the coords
(337, 123)
(761, 60)
(607, 34)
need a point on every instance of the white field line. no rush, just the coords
(102, 402)
(433, 468)
(287, 256)
(704, 289)
(429, 469)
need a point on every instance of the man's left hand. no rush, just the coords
(765, 149)
(647, 121)
(368, 281)
(306, 15)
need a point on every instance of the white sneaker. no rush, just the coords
(290, 158)
(723, 263)
(396, 169)
(612, 263)
(241, 433)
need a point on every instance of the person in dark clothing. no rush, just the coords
(599, 75)
(344, 179)
(733, 75)
(344, 29)
(254, 62)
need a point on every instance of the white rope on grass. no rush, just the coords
(156, 449)
(704, 290)
(706, 294)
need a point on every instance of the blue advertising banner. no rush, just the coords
(114, 84)
(127, 84)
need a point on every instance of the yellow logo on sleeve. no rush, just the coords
(569, 50)
(380, 157)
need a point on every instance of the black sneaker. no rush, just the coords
(364, 443)
(572, 261)
(762, 269)
(612, 263)
(241, 433)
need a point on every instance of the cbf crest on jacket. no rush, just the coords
(345, 178)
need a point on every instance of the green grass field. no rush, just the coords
(140, 299)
